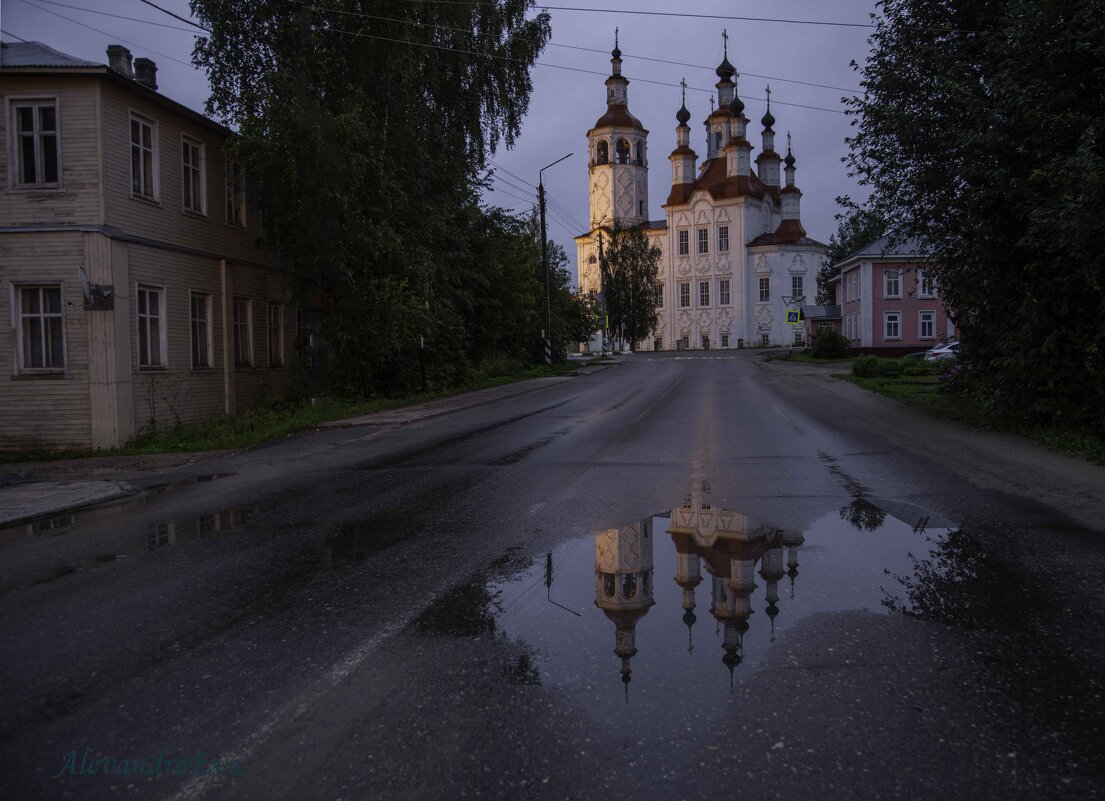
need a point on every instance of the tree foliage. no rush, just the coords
(367, 128)
(981, 134)
(631, 283)
(857, 226)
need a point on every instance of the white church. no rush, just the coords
(735, 255)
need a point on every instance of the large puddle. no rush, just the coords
(682, 605)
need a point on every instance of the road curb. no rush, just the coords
(27, 502)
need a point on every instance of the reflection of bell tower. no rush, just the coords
(793, 541)
(623, 583)
(771, 570)
(688, 575)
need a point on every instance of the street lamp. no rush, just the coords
(547, 333)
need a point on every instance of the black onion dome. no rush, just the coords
(768, 120)
(737, 106)
(616, 53)
(725, 70)
(683, 115)
(790, 163)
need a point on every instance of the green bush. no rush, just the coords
(874, 367)
(829, 344)
(921, 367)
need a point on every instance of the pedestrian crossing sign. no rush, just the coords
(794, 316)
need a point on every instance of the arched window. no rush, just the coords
(717, 141)
(608, 585)
(640, 154)
(629, 586)
(623, 151)
(591, 259)
(602, 152)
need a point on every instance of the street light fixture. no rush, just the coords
(546, 335)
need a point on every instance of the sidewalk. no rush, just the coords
(32, 499)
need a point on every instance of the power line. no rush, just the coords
(417, 24)
(669, 14)
(551, 66)
(105, 33)
(120, 16)
(512, 175)
(171, 14)
(9, 33)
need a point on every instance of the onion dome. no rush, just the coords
(616, 52)
(768, 120)
(737, 106)
(725, 71)
(790, 156)
(683, 115)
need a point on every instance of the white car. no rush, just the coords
(947, 350)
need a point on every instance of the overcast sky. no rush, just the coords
(566, 103)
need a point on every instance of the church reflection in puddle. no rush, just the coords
(726, 545)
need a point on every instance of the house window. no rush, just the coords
(723, 239)
(143, 158)
(927, 284)
(703, 293)
(892, 283)
(151, 330)
(723, 292)
(893, 325)
(724, 340)
(304, 327)
(927, 325)
(703, 240)
(796, 286)
(201, 330)
(276, 335)
(243, 340)
(36, 142)
(684, 243)
(235, 194)
(799, 336)
(41, 333)
(765, 289)
(684, 294)
(660, 295)
(191, 166)
(824, 326)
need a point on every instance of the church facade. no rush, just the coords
(735, 255)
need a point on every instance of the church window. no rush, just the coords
(892, 283)
(686, 340)
(641, 207)
(684, 294)
(723, 239)
(660, 295)
(609, 585)
(684, 242)
(640, 154)
(796, 286)
(629, 586)
(703, 240)
(703, 293)
(591, 259)
(723, 292)
(765, 289)
(602, 152)
(724, 340)
(623, 151)
(717, 141)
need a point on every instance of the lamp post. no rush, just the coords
(547, 333)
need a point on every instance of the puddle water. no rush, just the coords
(687, 601)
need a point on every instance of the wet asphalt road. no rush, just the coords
(364, 612)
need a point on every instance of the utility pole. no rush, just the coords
(546, 335)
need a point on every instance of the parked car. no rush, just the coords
(947, 350)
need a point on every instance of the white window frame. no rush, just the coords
(765, 288)
(143, 327)
(143, 120)
(17, 316)
(796, 286)
(247, 327)
(280, 361)
(887, 318)
(892, 284)
(725, 340)
(723, 239)
(724, 295)
(188, 170)
(931, 315)
(15, 160)
(193, 321)
(703, 294)
(703, 241)
(683, 242)
(684, 294)
(235, 194)
(925, 276)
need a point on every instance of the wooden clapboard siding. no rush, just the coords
(166, 220)
(77, 201)
(44, 412)
(260, 383)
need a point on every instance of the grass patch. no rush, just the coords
(806, 357)
(262, 424)
(924, 392)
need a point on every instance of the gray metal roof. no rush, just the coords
(820, 312)
(881, 247)
(36, 54)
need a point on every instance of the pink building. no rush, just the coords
(888, 298)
